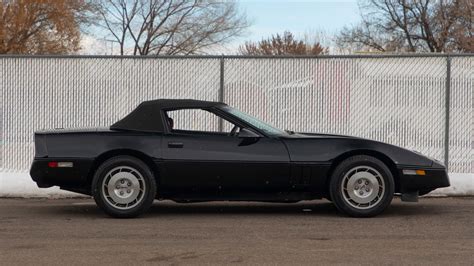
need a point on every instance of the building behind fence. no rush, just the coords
(424, 103)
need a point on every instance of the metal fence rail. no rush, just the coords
(422, 102)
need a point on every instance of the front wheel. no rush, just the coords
(362, 186)
(124, 187)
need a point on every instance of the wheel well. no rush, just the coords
(382, 157)
(109, 154)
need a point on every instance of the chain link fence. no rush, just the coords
(423, 102)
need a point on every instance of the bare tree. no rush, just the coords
(42, 26)
(143, 27)
(319, 35)
(285, 44)
(412, 26)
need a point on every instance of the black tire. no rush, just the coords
(357, 169)
(146, 181)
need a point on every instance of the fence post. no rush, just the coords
(221, 90)
(447, 107)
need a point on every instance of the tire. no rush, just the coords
(124, 187)
(361, 186)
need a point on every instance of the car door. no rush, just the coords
(204, 160)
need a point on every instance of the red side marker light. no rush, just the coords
(52, 164)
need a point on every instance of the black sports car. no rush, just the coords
(152, 154)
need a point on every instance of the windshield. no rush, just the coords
(266, 128)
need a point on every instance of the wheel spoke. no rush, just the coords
(362, 187)
(123, 187)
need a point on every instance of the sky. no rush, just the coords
(269, 17)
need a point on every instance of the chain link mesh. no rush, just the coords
(395, 100)
(399, 100)
(40, 93)
(461, 130)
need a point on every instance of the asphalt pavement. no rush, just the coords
(74, 231)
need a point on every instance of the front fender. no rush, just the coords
(327, 149)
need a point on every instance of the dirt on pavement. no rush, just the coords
(75, 231)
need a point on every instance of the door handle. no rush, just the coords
(175, 145)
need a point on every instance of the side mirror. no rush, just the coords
(246, 133)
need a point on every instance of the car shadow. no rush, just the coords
(168, 208)
(408, 209)
(321, 208)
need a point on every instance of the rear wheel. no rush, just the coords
(124, 186)
(362, 186)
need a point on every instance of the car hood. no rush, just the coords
(320, 135)
(302, 145)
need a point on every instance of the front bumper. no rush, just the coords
(433, 179)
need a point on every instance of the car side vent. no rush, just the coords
(300, 176)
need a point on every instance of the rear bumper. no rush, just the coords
(75, 177)
(433, 179)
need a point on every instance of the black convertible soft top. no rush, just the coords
(148, 115)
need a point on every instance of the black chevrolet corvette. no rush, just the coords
(152, 154)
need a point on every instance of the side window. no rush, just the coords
(196, 120)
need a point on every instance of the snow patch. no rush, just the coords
(21, 185)
(461, 185)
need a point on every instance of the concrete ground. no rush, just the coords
(74, 231)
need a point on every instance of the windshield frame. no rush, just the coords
(251, 121)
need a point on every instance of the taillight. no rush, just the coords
(60, 164)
